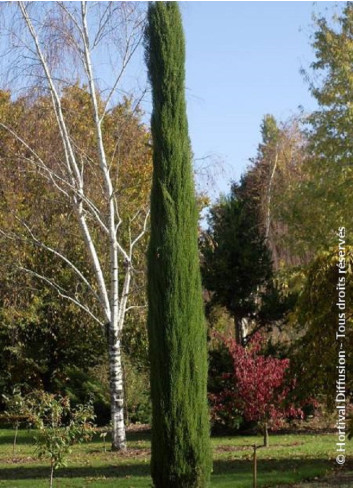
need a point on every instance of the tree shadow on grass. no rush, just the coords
(24, 437)
(270, 473)
(144, 435)
(107, 471)
(227, 473)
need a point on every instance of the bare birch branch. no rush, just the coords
(62, 293)
(71, 162)
(142, 233)
(53, 176)
(135, 307)
(73, 267)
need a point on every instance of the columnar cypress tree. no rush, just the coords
(180, 430)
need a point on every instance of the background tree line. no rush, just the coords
(270, 251)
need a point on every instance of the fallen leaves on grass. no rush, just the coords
(19, 460)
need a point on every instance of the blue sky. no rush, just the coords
(243, 61)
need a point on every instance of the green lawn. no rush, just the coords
(289, 460)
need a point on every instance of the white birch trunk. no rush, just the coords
(113, 304)
(269, 197)
(116, 392)
(115, 363)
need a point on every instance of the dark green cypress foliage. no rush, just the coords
(180, 432)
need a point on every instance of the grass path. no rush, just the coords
(291, 460)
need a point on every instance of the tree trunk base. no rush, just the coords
(266, 437)
(120, 448)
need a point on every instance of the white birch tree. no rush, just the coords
(53, 44)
